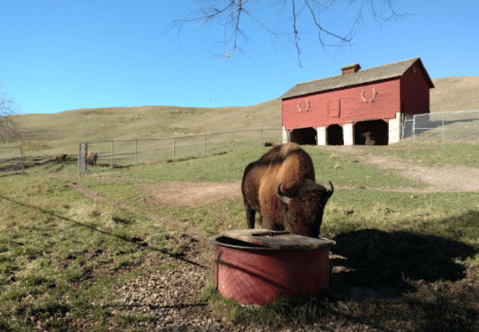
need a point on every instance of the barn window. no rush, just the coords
(333, 108)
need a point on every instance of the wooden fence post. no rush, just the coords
(79, 159)
(414, 127)
(21, 152)
(86, 153)
(112, 152)
(136, 151)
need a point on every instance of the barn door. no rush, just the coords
(334, 108)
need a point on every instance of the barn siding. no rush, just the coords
(414, 91)
(343, 106)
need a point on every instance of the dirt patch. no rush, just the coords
(440, 178)
(180, 193)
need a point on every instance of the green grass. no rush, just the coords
(62, 251)
(55, 134)
(431, 152)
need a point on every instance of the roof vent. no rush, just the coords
(350, 69)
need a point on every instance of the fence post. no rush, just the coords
(173, 149)
(414, 127)
(442, 126)
(21, 152)
(234, 145)
(205, 144)
(79, 158)
(112, 152)
(136, 151)
(86, 153)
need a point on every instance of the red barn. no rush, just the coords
(338, 110)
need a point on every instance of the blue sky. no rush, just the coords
(68, 54)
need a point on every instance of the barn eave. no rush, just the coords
(362, 77)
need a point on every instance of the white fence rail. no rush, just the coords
(458, 125)
(117, 153)
(11, 159)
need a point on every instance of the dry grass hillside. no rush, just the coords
(51, 134)
(455, 94)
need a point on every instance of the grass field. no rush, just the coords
(66, 242)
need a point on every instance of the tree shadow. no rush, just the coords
(378, 264)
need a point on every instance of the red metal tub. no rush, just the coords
(255, 266)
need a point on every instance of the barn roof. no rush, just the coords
(392, 70)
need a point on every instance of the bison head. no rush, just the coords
(303, 206)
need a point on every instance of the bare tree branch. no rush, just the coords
(230, 14)
(9, 129)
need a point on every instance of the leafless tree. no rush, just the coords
(9, 129)
(234, 15)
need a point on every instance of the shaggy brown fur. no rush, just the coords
(91, 158)
(270, 144)
(61, 158)
(299, 204)
(369, 140)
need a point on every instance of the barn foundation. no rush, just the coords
(395, 129)
(348, 136)
(285, 135)
(321, 134)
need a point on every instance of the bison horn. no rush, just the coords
(282, 197)
(330, 192)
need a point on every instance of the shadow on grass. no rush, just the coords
(378, 264)
(139, 242)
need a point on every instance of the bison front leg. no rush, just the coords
(250, 214)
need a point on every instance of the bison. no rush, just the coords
(281, 187)
(61, 158)
(91, 158)
(369, 139)
(269, 144)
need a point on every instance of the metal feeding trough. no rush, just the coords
(255, 266)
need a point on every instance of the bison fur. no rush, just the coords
(61, 158)
(281, 187)
(91, 158)
(269, 144)
(369, 139)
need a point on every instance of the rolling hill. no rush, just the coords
(60, 132)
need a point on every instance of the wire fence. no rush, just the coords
(11, 160)
(458, 125)
(118, 153)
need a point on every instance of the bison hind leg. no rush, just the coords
(260, 221)
(250, 214)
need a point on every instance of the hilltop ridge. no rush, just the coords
(61, 132)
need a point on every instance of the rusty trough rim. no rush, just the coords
(247, 247)
(271, 242)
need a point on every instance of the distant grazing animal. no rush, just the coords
(269, 144)
(281, 187)
(91, 158)
(369, 140)
(61, 158)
